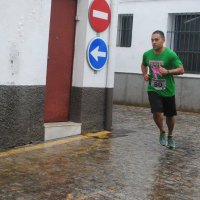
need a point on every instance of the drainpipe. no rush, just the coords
(111, 64)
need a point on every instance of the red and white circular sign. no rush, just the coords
(99, 15)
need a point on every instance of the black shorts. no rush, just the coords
(160, 104)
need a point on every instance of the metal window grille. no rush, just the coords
(184, 36)
(124, 31)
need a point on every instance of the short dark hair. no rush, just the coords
(160, 33)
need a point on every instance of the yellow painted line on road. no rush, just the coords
(100, 135)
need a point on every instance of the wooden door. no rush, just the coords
(60, 60)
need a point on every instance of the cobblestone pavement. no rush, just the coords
(128, 164)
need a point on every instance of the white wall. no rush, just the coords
(24, 44)
(24, 32)
(83, 75)
(149, 15)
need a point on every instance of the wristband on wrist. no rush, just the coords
(168, 72)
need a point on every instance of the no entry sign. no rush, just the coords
(99, 15)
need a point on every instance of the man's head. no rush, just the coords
(157, 39)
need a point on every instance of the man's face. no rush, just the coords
(157, 41)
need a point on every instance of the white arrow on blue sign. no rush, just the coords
(97, 53)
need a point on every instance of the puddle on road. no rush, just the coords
(121, 133)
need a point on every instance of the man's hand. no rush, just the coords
(146, 77)
(163, 71)
(145, 72)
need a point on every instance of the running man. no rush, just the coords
(158, 67)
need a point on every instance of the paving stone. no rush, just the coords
(129, 164)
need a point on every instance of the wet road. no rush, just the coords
(128, 164)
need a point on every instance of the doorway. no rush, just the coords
(60, 60)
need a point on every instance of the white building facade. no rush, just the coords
(180, 21)
(47, 88)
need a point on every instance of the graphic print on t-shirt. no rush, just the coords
(154, 67)
(156, 82)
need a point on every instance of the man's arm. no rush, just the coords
(177, 71)
(144, 72)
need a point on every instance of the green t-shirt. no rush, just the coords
(164, 85)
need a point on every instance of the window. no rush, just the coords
(184, 38)
(124, 31)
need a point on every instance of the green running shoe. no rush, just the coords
(163, 139)
(171, 142)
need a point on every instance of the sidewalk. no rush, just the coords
(128, 164)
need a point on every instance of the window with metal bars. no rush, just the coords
(124, 31)
(184, 36)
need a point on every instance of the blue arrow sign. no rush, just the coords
(97, 53)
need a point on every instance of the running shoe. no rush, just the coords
(171, 142)
(163, 139)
